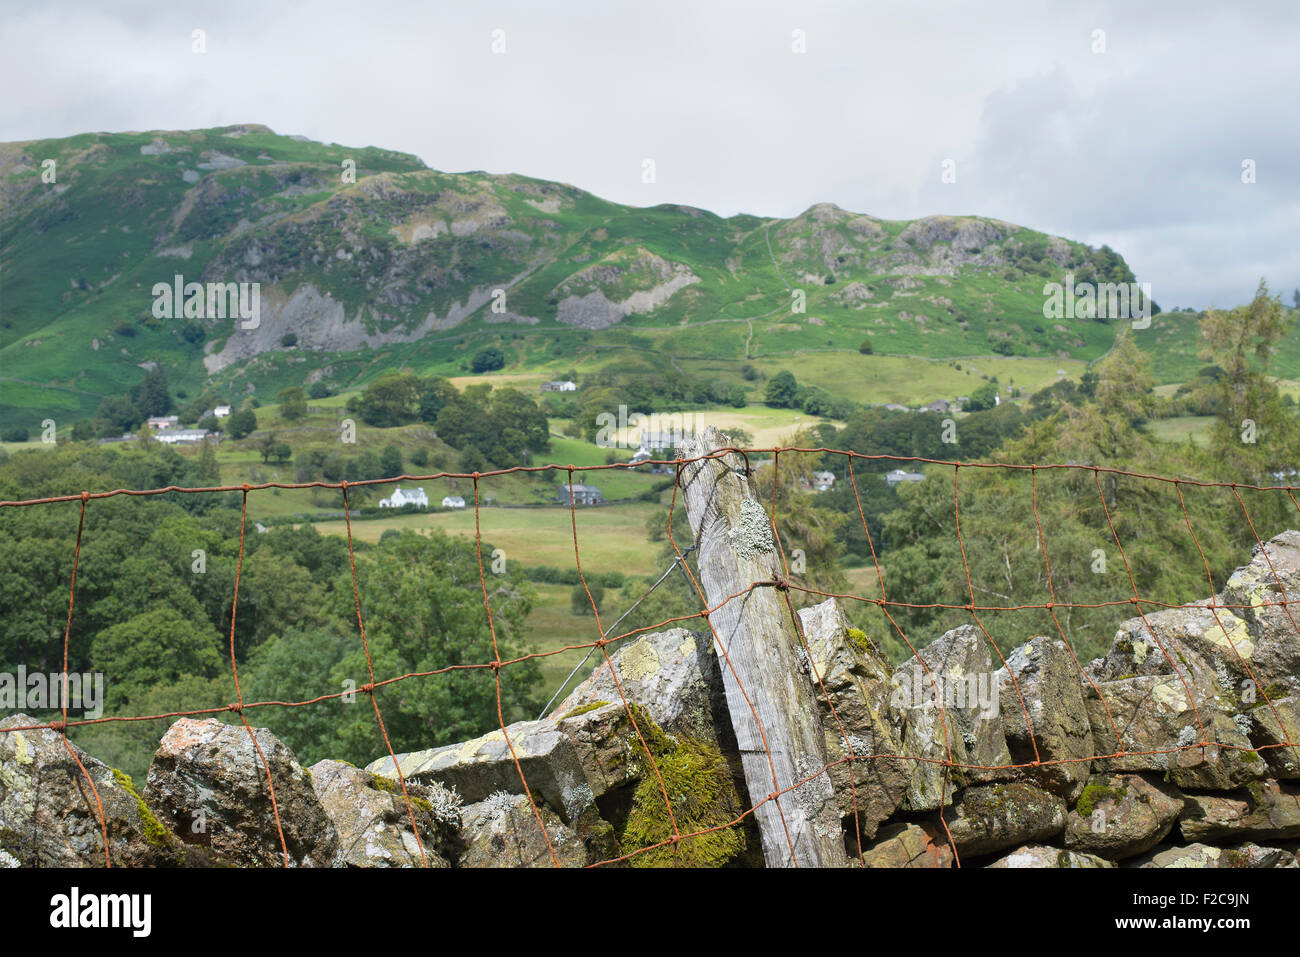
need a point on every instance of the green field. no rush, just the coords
(914, 381)
(610, 537)
(1182, 427)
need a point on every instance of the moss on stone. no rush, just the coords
(155, 834)
(957, 777)
(700, 787)
(858, 638)
(389, 786)
(584, 708)
(11, 842)
(698, 781)
(654, 736)
(1096, 792)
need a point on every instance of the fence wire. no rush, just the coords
(240, 707)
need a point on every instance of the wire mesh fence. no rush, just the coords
(606, 638)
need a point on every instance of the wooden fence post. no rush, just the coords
(760, 655)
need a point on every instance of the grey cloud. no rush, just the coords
(1139, 147)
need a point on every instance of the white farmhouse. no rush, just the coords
(183, 436)
(453, 501)
(402, 497)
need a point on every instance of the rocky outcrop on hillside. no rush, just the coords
(1177, 748)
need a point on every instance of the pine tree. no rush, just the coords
(1254, 435)
(152, 396)
(209, 472)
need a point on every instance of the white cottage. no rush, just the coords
(402, 497)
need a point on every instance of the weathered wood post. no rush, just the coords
(766, 669)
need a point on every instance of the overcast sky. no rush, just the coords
(1140, 146)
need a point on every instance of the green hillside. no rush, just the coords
(399, 268)
(1173, 344)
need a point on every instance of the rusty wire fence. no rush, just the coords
(782, 583)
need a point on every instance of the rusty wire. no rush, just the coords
(240, 707)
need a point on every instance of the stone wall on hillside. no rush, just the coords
(1180, 747)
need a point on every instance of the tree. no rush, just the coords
(155, 647)
(391, 400)
(208, 471)
(294, 665)
(816, 402)
(319, 390)
(367, 465)
(1254, 434)
(472, 460)
(424, 610)
(1102, 432)
(119, 415)
(275, 594)
(293, 404)
(390, 461)
(985, 397)
(503, 425)
(488, 360)
(866, 348)
(782, 390)
(267, 445)
(241, 424)
(333, 466)
(579, 604)
(151, 396)
(510, 408)
(1001, 513)
(437, 393)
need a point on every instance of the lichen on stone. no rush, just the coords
(584, 708)
(751, 536)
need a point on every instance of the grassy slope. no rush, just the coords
(80, 257)
(1172, 343)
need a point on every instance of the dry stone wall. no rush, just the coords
(1180, 747)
